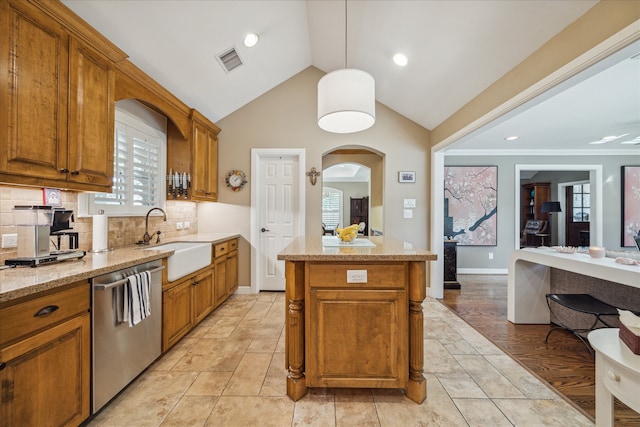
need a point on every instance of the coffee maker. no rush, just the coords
(34, 227)
(34, 230)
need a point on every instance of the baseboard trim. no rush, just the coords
(483, 271)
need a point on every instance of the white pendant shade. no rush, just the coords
(346, 101)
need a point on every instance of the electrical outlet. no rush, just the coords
(179, 226)
(490, 255)
(9, 240)
(356, 276)
(187, 225)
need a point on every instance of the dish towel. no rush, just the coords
(136, 298)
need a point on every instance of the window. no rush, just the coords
(139, 163)
(581, 203)
(331, 207)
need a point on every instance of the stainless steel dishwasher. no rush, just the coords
(120, 352)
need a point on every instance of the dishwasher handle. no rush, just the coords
(122, 281)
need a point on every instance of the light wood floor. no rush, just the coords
(564, 363)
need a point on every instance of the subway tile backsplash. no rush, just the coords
(123, 231)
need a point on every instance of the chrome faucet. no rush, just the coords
(147, 237)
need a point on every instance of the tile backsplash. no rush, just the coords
(123, 231)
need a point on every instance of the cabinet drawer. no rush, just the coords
(221, 249)
(379, 275)
(233, 245)
(30, 316)
(622, 382)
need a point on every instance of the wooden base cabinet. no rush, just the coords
(45, 372)
(356, 340)
(185, 304)
(226, 266)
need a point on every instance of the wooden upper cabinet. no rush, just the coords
(204, 163)
(91, 116)
(58, 89)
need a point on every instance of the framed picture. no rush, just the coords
(405, 177)
(630, 204)
(471, 204)
(51, 197)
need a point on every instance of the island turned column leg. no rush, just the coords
(294, 330)
(417, 385)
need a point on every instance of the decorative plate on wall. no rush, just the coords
(236, 179)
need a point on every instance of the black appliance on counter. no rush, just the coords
(60, 227)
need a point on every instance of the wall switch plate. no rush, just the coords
(490, 255)
(409, 203)
(187, 225)
(356, 276)
(408, 213)
(9, 240)
(179, 226)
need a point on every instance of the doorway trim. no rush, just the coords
(595, 179)
(257, 155)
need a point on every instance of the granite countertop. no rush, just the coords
(23, 281)
(387, 249)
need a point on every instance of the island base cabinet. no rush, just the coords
(45, 378)
(356, 339)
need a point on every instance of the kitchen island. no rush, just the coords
(354, 315)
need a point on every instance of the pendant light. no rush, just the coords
(346, 98)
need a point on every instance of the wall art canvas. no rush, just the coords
(471, 204)
(630, 204)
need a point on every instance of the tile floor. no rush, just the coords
(229, 371)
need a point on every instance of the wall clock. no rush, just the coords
(236, 179)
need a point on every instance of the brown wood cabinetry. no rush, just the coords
(187, 301)
(58, 98)
(531, 197)
(359, 212)
(355, 338)
(226, 266)
(203, 291)
(204, 173)
(184, 304)
(45, 359)
(177, 313)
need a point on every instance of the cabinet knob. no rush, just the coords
(614, 376)
(64, 170)
(76, 173)
(46, 310)
(2, 366)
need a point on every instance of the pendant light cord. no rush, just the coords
(345, 34)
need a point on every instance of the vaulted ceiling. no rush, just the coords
(455, 49)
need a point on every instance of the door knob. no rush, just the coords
(264, 229)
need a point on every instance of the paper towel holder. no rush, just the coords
(101, 250)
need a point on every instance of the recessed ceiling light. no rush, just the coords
(635, 141)
(400, 59)
(600, 141)
(251, 39)
(511, 138)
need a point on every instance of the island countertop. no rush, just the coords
(386, 249)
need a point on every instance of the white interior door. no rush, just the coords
(277, 222)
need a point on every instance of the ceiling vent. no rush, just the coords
(229, 59)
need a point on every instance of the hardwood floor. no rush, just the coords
(565, 362)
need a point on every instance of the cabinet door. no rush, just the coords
(203, 295)
(357, 338)
(91, 116)
(232, 273)
(205, 163)
(45, 379)
(221, 292)
(34, 93)
(177, 317)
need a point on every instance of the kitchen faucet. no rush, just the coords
(147, 237)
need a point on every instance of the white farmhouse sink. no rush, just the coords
(187, 257)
